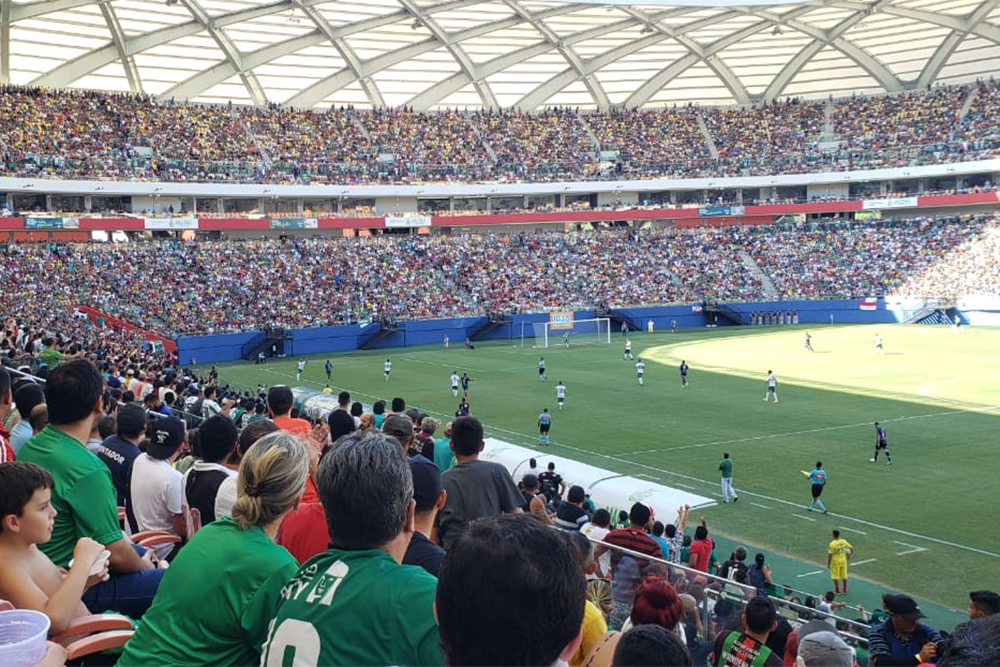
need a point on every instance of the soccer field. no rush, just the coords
(923, 525)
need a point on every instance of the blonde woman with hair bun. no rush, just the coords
(216, 600)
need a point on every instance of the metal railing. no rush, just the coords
(714, 589)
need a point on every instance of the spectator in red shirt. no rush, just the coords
(701, 549)
(6, 405)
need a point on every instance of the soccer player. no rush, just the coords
(624, 329)
(837, 555)
(544, 424)
(809, 345)
(329, 370)
(673, 325)
(726, 468)
(881, 443)
(300, 366)
(878, 345)
(772, 386)
(818, 479)
(684, 373)
(640, 368)
(386, 369)
(560, 394)
(541, 369)
(628, 349)
(465, 383)
(566, 338)
(463, 408)
(455, 380)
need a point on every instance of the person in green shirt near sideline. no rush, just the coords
(217, 598)
(726, 467)
(355, 603)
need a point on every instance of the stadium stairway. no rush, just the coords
(765, 281)
(617, 317)
(370, 339)
(480, 332)
(930, 315)
(707, 134)
(814, 579)
(725, 311)
(263, 341)
(969, 99)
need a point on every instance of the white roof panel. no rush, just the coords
(407, 47)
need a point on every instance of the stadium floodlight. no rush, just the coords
(590, 331)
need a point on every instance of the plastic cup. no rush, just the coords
(98, 564)
(23, 633)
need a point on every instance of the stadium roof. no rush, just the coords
(503, 53)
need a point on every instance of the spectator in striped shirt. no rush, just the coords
(628, 571)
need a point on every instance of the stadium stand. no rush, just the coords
(220, 286)
(93, 135)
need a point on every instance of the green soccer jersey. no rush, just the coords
(727, 468)
(355, 608)
(215, 602)
(83, 495)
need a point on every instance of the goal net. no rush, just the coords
(597, 330)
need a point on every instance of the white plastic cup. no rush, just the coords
(97, 565)
(23, 633)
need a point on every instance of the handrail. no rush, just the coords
(853, 630)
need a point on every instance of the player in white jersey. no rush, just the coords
(878, 345)
(541, 369)
(387, 368)
(455, 379)
(628, 349)
(301, 366)
(560, 394)
(772, 386)
(566, 338)
(640, 368)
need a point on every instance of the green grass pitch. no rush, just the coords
(928, 521)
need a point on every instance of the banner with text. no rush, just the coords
(708, 211)
(170, 223)
(407, 221)
(561, 320)
(294, 223)
(896, 202)
(51, 223)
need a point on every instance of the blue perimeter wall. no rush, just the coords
(317, 340)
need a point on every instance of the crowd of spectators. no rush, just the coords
(174, 288)
(370, 548)
(772, 136)
(922, 257)
(92, 135)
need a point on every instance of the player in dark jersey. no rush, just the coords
(684, 373)
(881, 443)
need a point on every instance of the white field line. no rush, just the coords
(531, 440)
(769, 436)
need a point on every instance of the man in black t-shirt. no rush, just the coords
(118, 451)
(340, 420)
(552, 483)
(429, 498)
(217, 438)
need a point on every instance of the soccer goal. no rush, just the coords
(597, 330)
